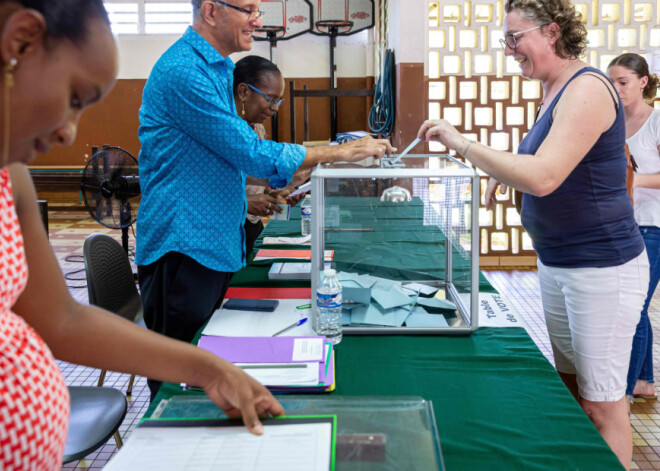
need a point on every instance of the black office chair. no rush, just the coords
(110, 283)
(96, 414)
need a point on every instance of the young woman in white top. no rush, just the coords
(638, 88)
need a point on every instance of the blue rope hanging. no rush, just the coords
(381, 115)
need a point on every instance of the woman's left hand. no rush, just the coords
(283, 197)
(443, 132)
(239, 395)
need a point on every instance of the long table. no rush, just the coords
(499, 404)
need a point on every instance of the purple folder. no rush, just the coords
(270, 350)
(253, 349)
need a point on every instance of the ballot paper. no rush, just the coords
(414, 288)
(436, 303)
(302, 189)
(390, 298)
(374, 315)
(284, 215)
(420, 318)
(289, 443)
(408, 149)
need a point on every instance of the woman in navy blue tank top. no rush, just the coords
(571, 167)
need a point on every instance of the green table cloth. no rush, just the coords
(499, 404)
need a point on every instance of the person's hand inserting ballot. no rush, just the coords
(262, 205)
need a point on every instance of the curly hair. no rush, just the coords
(573, 35)
(637, 64)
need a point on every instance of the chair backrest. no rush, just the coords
(110, 281)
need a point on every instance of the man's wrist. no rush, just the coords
(342, 154)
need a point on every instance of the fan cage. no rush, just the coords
(101, 169)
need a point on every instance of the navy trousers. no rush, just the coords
(179, 295)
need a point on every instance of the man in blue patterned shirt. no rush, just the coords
(196, 153)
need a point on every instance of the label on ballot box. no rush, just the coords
(496, 311)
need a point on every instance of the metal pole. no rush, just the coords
(274, 124)
(333, 69)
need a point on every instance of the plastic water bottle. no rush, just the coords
(328, 306)
(306, 216)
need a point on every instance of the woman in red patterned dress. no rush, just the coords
(59, 57)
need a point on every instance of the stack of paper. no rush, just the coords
(352, 136)
(272, 254)
(290, 271)
(374, 301)
(304, 240)
(283, 364)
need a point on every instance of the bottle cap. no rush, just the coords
(329, 272)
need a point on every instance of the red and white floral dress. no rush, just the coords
(34, 400)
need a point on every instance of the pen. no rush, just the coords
(295, 324)
(304, 306)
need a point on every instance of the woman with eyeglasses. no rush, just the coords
(258, 91)
(637, 88)
(571, 167)
(58, 58)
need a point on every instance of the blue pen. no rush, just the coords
(295, 324)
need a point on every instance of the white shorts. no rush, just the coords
(592, 314)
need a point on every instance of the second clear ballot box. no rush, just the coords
(403, 237)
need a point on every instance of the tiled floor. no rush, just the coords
(68, 231)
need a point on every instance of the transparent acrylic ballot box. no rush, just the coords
(373, 433)
(403, 237)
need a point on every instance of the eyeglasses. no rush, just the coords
(272, 102)
(252, 15)
(511, 39)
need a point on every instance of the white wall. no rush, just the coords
(302, 57)
(407, 29)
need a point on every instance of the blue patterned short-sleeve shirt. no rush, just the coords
(196, 152)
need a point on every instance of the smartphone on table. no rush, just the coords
(263, 305)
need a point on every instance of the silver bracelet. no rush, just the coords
(467, 146)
